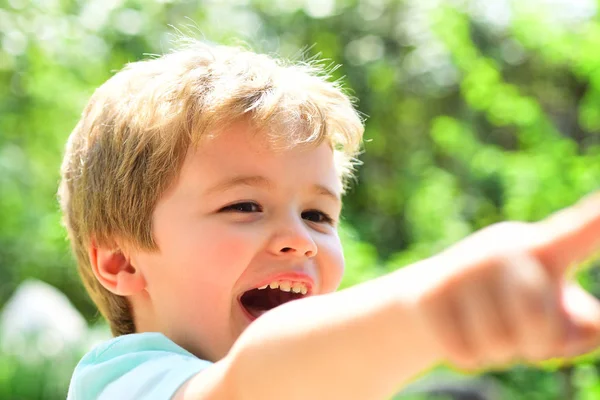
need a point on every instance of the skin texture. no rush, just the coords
(497, 297)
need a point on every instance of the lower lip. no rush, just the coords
(248, 315)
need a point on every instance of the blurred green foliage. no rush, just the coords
(477, 112)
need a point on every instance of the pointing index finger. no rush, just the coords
(571, 235)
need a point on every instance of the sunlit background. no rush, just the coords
(476, 112)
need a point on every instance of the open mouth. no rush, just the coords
(258, 301)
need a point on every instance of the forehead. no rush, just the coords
(241, 150)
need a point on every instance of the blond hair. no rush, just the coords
(136, 129)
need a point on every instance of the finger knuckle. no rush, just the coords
(535, 350)
(537, 354)
(466, 360)
(500, 348)
(535, 311)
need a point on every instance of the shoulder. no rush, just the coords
(137, 366)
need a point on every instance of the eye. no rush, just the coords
(243, 207)
(317, 216)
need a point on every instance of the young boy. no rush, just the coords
(202, 192)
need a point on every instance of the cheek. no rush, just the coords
(229, 250)
(332, 265)
(211, 247)
(204, 260)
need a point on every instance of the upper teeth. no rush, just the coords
(287, 286)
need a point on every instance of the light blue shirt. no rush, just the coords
(141, 366)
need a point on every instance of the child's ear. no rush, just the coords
(114, 271)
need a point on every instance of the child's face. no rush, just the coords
(240, 216)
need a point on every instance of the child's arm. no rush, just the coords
(497, 296)
(358, 343)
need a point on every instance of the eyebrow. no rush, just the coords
(262, 182)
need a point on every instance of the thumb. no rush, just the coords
(582, 316)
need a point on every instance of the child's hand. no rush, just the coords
(501, 294)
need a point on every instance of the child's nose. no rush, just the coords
(308, 252)
(294, 239)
